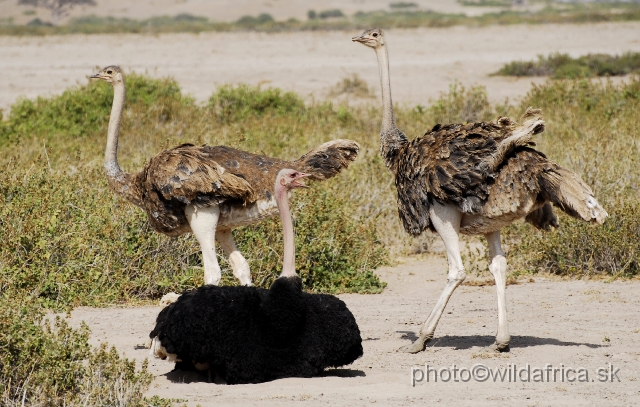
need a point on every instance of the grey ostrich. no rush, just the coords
(474, 178)
(209, 190)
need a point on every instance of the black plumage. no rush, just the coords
(252, 335)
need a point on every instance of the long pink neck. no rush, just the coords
(289, 261)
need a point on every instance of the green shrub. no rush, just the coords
(335, 13)
(250, 21)
(353, 85)
(460, 105)
(486, 3)
(84, 110)
(67, 245)
(591, 128)
(563, 66)
(52, 364)
(336, 251)
(403, 4)
(236, 103)
(580, 249)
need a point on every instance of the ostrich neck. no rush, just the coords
(111, 152)
(289, 261)
(388, 120)
(120, 182)
(391, 138)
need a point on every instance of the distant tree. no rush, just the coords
(58, 8)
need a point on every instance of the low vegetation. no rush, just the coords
(489, 3)
(563, 66)
(592, 129)
(49, 363)
(353, 86)
(400, 15)
(67, 245)
(68, 240)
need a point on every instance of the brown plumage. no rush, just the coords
(220, 175)
(455, 163)
(195, 188)
(474, 178)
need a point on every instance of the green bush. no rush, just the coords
(335, 250)
(461, 105)
(52, 364)
(580, 249)
(335, 13)
(563, 66)
(403, 4)
(65, 243)
(84, 110)
(250, 21)
(236, 103)
(591, 128)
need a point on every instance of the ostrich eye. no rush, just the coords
(375, 34)
(109, 71)
(293, 175)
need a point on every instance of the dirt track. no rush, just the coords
(551, 322)
(423, 62)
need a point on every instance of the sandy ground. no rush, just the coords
(423, 63)
(565, 324)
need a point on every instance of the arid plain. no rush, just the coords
(567, 324)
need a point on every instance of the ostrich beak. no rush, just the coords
(96, 76)
(359, 38)
(297, 183)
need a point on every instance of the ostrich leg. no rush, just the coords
(498, 268)
(203, 222)
(446, 220)
(237, 261)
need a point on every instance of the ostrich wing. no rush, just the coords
(191, 175)
(444, 164)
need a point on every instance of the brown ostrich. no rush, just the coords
(209, 190)
(474, 178)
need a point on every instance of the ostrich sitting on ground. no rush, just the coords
(474, 178)
(252, 335)
(209, 190)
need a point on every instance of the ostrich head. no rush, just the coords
(288, 179)
(373, 38)
(111, 74)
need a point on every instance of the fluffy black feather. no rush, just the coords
(253, 335)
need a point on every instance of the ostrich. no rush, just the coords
(252, 335)
(208, 190)
(474, 178)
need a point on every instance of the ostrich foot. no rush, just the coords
(416, 346)
(496, 348)
(169, 298)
